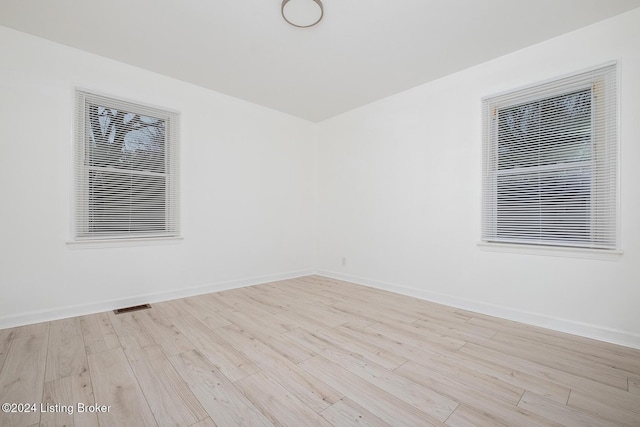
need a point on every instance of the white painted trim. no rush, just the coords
(601, 254)
(624, 338)
(123, 242)
(554, 79)
(101, 306)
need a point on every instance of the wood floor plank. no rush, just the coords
(66, 355)
(170, 400)
(567, 373)
(607, 354)
(233, 364)
(420, 309)
(346, 318)
(508, 375)
(525, 364)
(32, 330)
(82, 392)
(288, 348)
(461, 331)
(253, 299)
(115, 386)
(164, 333)
(342, 288)
(347, 413)
(634, 385)
(62, 399)
(331, 296)
(291, 300)
(298, 290)
(375, 313)
(515, 377)
(460, 372)
(380, 403)
(276, 403)
(625, 412)
(58, 407)
(268, 321)
(263, 301)
(402, 350)
(305, 387)
(416, 336)
(435, 404)
(430, 312)
(398, 304)
(207, 422)
(235, 300)
(226, 405)
(590, 367)
(466, 416)
(318, 307)
(368, 345)
(22, 377)
(285, 346)
(359, 343)
(485, 371)
(98, 333)
(312, 316)
(171, 308)
(501, 413)
(130, 331)
(560, 339)
(559, 413)
(201, 311)
(6, 336)
(214, 302)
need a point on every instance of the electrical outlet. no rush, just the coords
(344, 262)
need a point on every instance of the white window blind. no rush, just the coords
(126, 170)
(550, 163)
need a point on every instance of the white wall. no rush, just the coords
(247, 190)
(399, 195)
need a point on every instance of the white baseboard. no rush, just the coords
(624, 338)
(100, 306)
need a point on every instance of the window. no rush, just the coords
(126, 170)
(550, 163)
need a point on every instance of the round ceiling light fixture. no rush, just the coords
(302, 13)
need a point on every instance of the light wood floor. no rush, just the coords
(313, 351)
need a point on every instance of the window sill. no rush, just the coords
(601, 254)
(122, 243)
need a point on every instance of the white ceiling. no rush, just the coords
(363, 50)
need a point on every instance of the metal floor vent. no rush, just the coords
(132, 308)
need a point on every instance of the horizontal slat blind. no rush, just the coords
(126, 169)
(550, 163)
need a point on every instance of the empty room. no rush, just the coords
(319, 212)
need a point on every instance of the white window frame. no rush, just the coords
(81, 234)
(604, 130)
